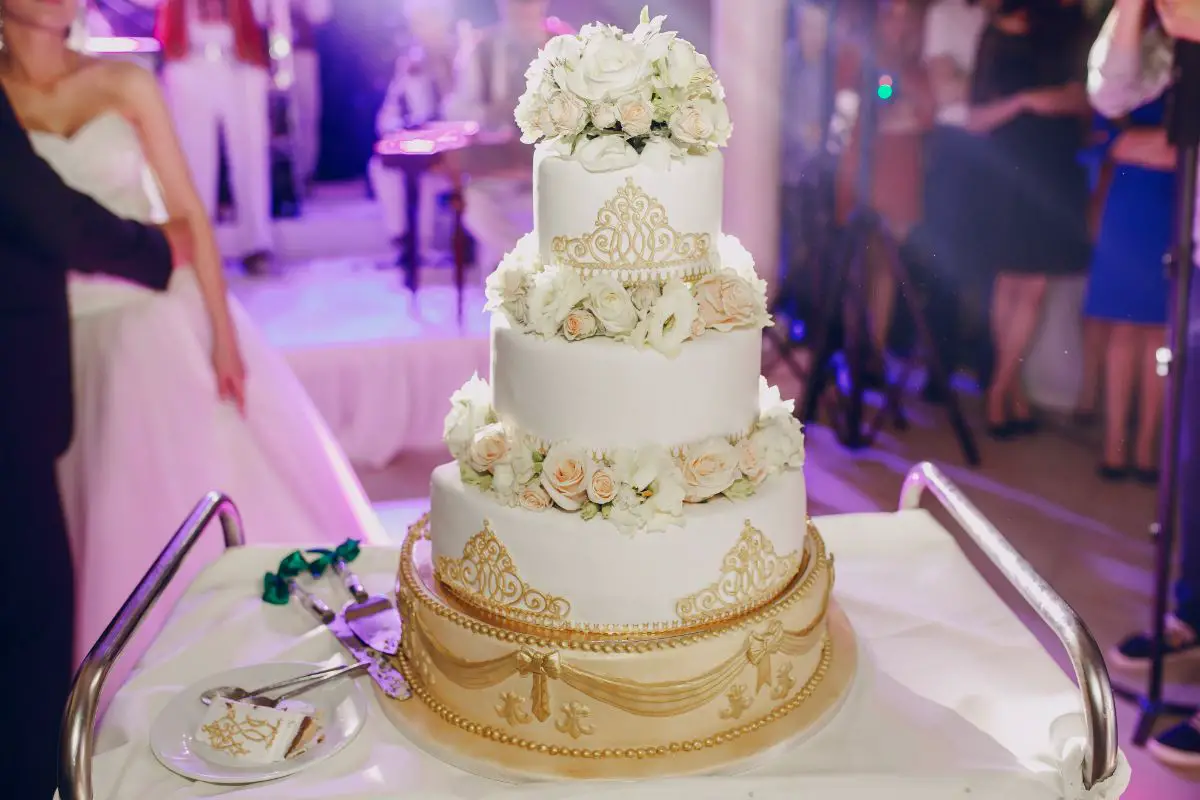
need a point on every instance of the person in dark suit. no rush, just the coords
(44, 227)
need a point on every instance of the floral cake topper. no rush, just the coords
(612, 98)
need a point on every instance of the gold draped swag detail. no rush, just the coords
(665, 699)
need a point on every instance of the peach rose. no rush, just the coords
(579, 324)
(564, 476)
(750, 462)
(601, 486)
(709, 468)
(489, 446)
(726, 301)
(698, 328)
(533, 498)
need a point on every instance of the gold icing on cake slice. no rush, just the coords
(634, 238)
(487, 578)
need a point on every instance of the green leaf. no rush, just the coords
(480, 480)
(741, 489)
(606, 511)
(589, 511)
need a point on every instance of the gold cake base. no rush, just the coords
(459, 742)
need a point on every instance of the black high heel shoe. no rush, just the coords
(1112, 474)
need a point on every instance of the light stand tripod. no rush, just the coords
(1183, 125)
(844, 306)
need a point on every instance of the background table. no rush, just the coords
(955, 698)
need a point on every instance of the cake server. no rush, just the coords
(373, 618)
(379, 665)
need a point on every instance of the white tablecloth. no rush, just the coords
(955, 697)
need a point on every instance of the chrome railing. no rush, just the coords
(1100, 718)
(77, 743)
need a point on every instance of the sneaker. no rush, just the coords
(1178, 747)
(1134, 652)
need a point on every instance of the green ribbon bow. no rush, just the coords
(294, 564)
(276, 590)
(347, 551)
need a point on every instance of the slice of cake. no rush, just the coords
(253, 734)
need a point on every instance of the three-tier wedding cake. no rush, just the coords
(617, 575)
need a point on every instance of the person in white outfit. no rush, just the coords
(489, 79)
(306, 17)
(415, 97)
(217, 80)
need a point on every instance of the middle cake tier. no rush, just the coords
(606, 395)
(561, 571)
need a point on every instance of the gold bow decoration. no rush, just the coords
(759, 649)
(544, 667)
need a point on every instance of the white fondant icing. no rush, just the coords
(608, 577)
(603, 394)
(567, 199)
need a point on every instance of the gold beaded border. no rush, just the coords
(410, 583)
(497, 735)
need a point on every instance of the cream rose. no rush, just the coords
(644, 296)
(567, 113)
(470, 410)
(579, 324)
(609, 300)
(751, 462)
(701, 123)
(604, 115)
(708, 468)
(564, 476)
(608, 67)
(636, 114)
(725, 301)
(698, 328)
(553, 295)
(601, 485)
(489, 446)
(606, 153)
(533, 498)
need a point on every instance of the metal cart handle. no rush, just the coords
(1100, 758)
(77, 742)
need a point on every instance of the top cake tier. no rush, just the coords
(640, 223)
(627, 178)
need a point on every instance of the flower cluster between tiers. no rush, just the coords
(643, 489)
(613, 98)
(557, 302)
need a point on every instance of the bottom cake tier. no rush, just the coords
(516, 701)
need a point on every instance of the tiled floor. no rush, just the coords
(1089, 539)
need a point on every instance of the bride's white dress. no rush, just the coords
(151, 436)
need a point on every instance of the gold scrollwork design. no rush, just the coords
(632, 232)
(485, 576)
(751, 573)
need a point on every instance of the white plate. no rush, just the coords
(342, 704)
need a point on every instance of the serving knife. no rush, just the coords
(379, 666)
(372, 618)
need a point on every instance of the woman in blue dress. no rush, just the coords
(1128, 288)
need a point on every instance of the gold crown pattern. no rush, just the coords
(632, 236)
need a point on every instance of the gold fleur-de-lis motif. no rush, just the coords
(760, 648)
(784, 682)
(512, 709)
(738, 702)
(574, 720)
(544, 667)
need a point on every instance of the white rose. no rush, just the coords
(709, 468)
(606, 154)
(533, 498)
(529, 116)
(780, 443)
(771, 405)
(660, 153)
(579, 324)
(507, 288)
(636, 114)
(682, 62)
(512, 473)
(669, 323)
(488, 447)
(609, 300)
(644, 296)
(567, 113)
(751, 461)
(564, 476)
(726, 301)
(553, 295)
(701, 123)
(608, 67)
(601, 485)
(470, 410)
(604, 115)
